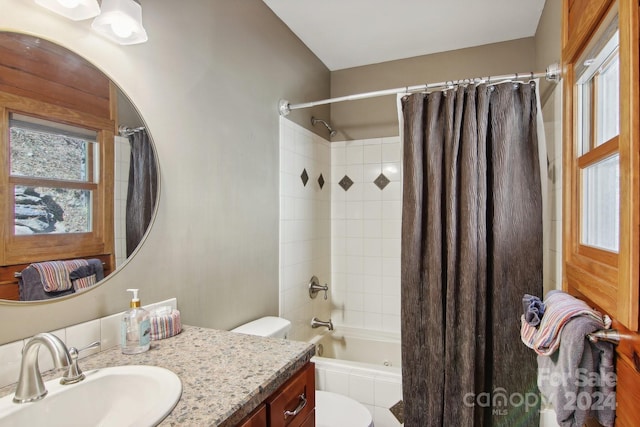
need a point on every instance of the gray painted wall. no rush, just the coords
(207, 83)
(378, 117)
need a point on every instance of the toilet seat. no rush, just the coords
(336, 410)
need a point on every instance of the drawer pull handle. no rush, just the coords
(301, 405)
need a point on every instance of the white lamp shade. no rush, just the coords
(121, 21)
(76, 10)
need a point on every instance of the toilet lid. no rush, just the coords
(336, 410)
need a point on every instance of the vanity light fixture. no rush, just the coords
(120, 21)
(76, 10)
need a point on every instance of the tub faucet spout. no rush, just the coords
(315, 323)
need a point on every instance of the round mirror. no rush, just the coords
(78, 172)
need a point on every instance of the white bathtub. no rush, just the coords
(364, 365)
(359, 345)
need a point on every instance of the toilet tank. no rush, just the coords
(269, 326)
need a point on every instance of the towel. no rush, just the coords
(31, 288)
(87, 275)
(533, 309)
(55, 274)
(579, 379)
(165, 323)
(560, 307)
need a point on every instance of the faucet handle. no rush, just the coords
(315, 287)
(74, 373)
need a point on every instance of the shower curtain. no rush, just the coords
(471, 247)
(142, 189)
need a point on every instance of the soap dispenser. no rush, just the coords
(135, 333)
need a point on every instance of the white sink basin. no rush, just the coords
(117, 396)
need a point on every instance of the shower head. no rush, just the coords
(332, 132)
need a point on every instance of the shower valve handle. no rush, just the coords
(315, 287)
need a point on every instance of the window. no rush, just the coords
(56, 182)
(597, 79)
(601, 202)
(52, 175)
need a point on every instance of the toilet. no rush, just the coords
(336, 410)
(332, 409)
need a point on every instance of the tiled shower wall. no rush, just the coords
(552, 116)
(305, 226)
(340, 220)
(122, 159)
(366, 213)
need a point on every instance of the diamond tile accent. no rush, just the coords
(321, 181)
(304, 177)
(381, 181)
(398, 411)
(345, 183)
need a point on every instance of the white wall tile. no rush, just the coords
(372, 154)
(110, 331)
(305, 239)
(371, 232)
(11, 357)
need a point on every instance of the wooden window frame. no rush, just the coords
(41, 247)
(609, 280)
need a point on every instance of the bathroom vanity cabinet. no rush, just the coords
(228, 379)
(292, 405)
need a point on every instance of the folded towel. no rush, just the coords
(55, 274)
(87, 275)
(533, 309)
(579, 379)
(560, 307)
(165, 323)
(31, 288)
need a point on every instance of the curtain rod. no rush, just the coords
(126, 131)
(552, 74)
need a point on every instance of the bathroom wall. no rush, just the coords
(377, 117)
(207, 84)
(305, 226)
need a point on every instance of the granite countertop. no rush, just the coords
(224, 375)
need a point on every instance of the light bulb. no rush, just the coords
(69, 4)
(121, 29)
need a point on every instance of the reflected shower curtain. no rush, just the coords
(142, 190)
(471, 247)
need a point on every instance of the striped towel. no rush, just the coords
(560, 307)
(55, 274)
(84, 282)
(166, 325)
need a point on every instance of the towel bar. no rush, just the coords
(18, 274)
(607, 335)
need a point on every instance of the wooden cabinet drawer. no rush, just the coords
(297, 396)
(258, 418)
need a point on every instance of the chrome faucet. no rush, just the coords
(316, 323)
(30, 386)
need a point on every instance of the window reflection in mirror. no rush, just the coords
(52, 172)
